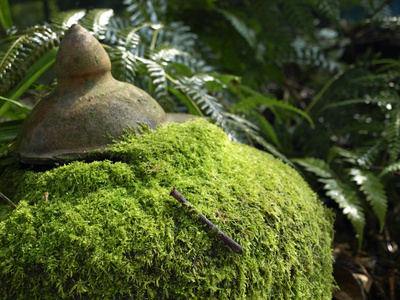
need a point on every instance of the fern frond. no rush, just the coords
(327, 8)
(19, 52)
(394, 167)
(64, 20)
(364, 156)
(343, 195)
(122, 55)
(158, 76)
(178, 35)
(114, 28)
(96, 21)
(235, 127)
(128, 38)
(9, 53)
(366, 100)
(167, 54)
(240, 26)
(210, 105)
(393, 134)
(267, 128)
(316, 166)
(251, 107)
(306, 53)
(299, 14)
(32, 74)
(246, 104)
(123, 63)
(9, 130)
(374, 190)
(349, 156)
(146, 11)
(272, 102)
(348, 201)
(367, 155)
(119, 31)
(372, 79)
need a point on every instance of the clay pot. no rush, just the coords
(87, 110)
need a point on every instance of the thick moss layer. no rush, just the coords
(110, 229)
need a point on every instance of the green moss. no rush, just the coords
(110, 229)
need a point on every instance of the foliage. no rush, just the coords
(160, 57)
(110, 229)
(260, 69)
(302, 51)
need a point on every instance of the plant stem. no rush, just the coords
(323, 90)
(8, 200)
(226, 239)
(154, 40)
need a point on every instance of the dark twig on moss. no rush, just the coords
(8, 200)
(226, 239)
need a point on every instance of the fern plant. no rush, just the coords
(366, 149)
(159, 56)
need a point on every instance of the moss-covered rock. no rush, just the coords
(110, 230)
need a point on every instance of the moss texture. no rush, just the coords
(110, 230)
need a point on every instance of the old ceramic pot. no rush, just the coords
(87, 109)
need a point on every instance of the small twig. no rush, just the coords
(226, 239)
(46, 196)
(8, 200)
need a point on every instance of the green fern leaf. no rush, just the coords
(123, 63)
(32, 74)
(363, 158)
(316, 166)
(240, 26)
(372, 187)
(123, 59)
(210, 105)
(9, 130)
(64, 20)
(272, 103)
(178, 35)
(96, 21)
(146, 11)
(328, 8)
(18, 53)
(367, 155)
(267, 128)
(393, 134)
(348, 201)
(10, 51)
(394, 167)
(167, 54)
(158, 76)
(234, 126)
(128, 38)
(299, 14)
(367, 100)
(343, 195)
(348, 155)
